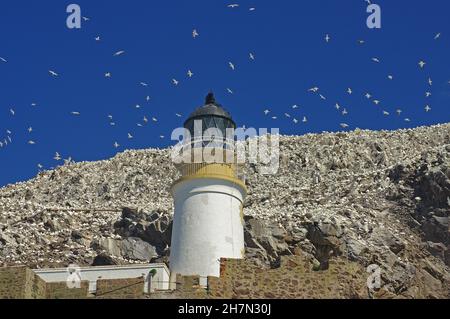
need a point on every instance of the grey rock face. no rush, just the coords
(383, 237)
(324, 238)
(154, 228)
(426, 190)
(434, 186)
(131, 248)
(437, 249)
(137, 249)
(355, 249)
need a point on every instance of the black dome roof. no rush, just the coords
(211, 108)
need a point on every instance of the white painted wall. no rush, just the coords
(207, 226)
(160, 281)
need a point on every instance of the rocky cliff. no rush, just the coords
(373, 198)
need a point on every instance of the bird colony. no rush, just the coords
(7, 139)
(375, 197)
(295, 114)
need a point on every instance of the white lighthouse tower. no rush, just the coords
(208, 202)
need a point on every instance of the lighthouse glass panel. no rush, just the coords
(208, 122)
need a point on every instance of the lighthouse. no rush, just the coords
(208, 198)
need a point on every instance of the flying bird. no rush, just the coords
(107, 75)
(31, 142)
(12, 112)
(327, 38)
(53, 73)
(116, 145)
(234, 5)
(349, 91)
(437, 36)
(230, 91)
(130, 136)
(75, 113)
(422, 64)
(97, 38)
(344, 125)
(313, 89)
(178, 115)
(57, 157)
(304, 119)
(119, 53)
(189, 73)
(266, 112)
(143, 84)
(427, 108)
(175, 82)
(252, 56)
(368, 96)
(376, 60)
(430, 82)
(295, 106)
(231, 65)
(194, 33)
(3, 59)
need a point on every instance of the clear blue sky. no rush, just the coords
(291, 56)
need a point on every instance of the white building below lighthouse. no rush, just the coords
(208, 205)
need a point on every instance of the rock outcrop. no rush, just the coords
(374, 198)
